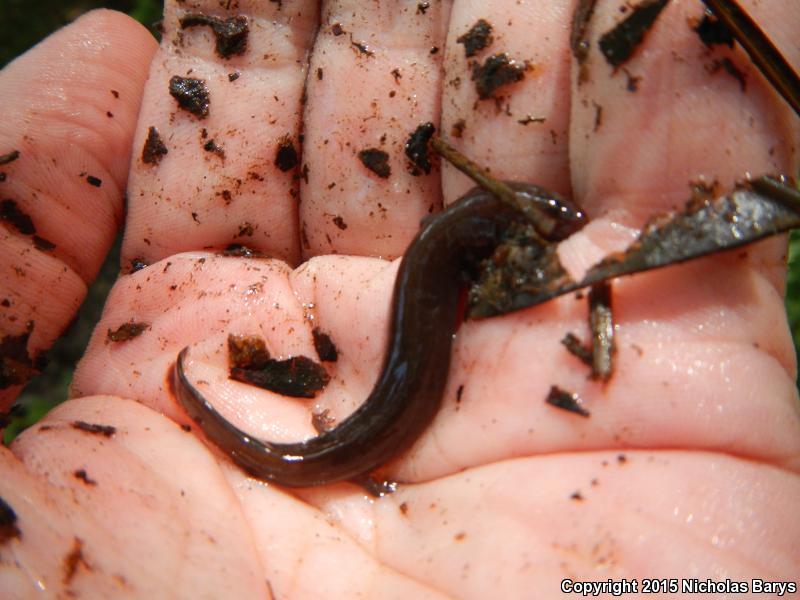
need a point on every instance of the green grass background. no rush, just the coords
(22, 24)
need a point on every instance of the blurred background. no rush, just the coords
(22, 24)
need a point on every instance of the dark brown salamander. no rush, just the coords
(424, 310)
(411, 384)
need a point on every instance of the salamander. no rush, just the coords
(410, 387)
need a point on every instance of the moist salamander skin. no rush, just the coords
(409, 390)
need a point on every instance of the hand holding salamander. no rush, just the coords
(409, 389)
(109, 492)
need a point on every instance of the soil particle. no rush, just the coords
(286, 157)
(127, 331)
(231, 33)
(94, 428)
(9, 157)
(191, 94)
(11, 213)
(619, 44)
(326, 349)
(566, 401)
(477, 38)
(377, 161)
(154, 147)
(496, 72)
(416, 148)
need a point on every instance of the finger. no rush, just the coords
(70, 105)
(228, 176)
(113, 499)
(678, 111)
(375, 77)
(519, 129)
(693, 114)
(193, 299)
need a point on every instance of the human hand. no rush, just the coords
(688, 464)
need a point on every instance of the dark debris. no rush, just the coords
(601, 324)
(9, 157)
(16, 365)
(577, 348)
(326, 349)
(214, 148)
(137, 264)
(619, 44)
(477, 38)
(580, 23)
(247, 351)
(361, 47)
(713, 32)
(297, 376)
(73, 560)
(727, 65)
(43, 244)
(191, 94)
(231, 33)
(377, 161)
(322, 421)
(127, 331)
(515, 273)
(250, 362)
(752, 211)
(457, 130)
(241, 251)
(566, 401)
(83, 476)
(416, 148)
(286, 157)
(11, 213)
(496, 72)
(94, 428)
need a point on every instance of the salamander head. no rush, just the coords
(566, 216)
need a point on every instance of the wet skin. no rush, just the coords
(409, 389)
(690, 453)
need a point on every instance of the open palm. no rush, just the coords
(686, 468)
